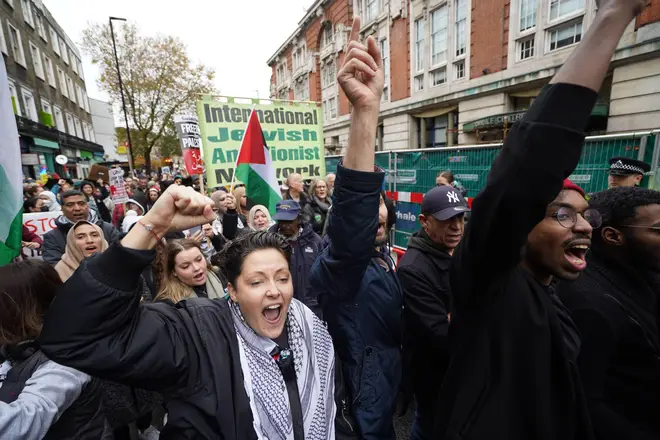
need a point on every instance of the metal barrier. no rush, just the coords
(414, 171)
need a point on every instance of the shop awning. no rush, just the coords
(45, 143)
(435, 112)
(495, 121)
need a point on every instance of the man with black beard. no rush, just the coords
(514, 348)
(615, 306)
(354, 277)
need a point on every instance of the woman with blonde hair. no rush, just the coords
(241, 204)
(83, 240)
(259, 218)
(185, 273)
(316, 211)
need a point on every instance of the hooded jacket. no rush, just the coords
(305, 249)
(615, 308)
(424, 275)
(55, 240)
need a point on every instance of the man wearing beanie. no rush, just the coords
(514, 350)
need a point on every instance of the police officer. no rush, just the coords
(626, 172)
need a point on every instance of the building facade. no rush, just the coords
(103, 122)
(463, 71)
(47, 85)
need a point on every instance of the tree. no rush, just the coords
(158, 77)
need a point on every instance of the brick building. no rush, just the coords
(47, 85)
(462, 71)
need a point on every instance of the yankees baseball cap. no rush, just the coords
(443, 203)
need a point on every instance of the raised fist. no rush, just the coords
(179, 208)
(631, 8)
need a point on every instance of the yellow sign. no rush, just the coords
(292, 131)
(122, 149)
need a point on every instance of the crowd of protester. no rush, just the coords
(185, 316)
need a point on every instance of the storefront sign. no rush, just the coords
(39, 223)
(30, 159)
(496, 121)
(293, 133)
(117, 185)
(187, 129)
(402, 176)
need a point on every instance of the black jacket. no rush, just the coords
(55, 240)
(304, 252)
(511, 376)
(317, 215)
(616, 310)
(424, 275)
(189, 351)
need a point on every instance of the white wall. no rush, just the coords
(103, 122)
(635, 100)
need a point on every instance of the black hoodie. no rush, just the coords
(424, 276)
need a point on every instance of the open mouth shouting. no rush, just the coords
(576, 252)
(273, 314)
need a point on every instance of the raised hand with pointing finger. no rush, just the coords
(362, 76)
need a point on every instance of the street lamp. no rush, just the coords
(121, 92)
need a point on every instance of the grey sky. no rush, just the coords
(236, 38)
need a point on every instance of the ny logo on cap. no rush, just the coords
(452, 196)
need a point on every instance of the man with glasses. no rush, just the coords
(513, 372)
(615, 308)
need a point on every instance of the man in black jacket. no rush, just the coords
(424, 276)
(615, 307)
(74, 209)
(513, 372)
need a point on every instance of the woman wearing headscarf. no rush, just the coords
(257, 365)
(259, 218)
(50, 201)
(83, 240)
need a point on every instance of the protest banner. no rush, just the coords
(187, 129)
(293, 132)
(39, 223)
(117, 186)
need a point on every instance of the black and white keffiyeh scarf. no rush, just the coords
(314, 362)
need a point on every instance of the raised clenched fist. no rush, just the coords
(179, 208)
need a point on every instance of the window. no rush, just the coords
(385, 54)
(29, 105)
(36, 61)
(299, 58)
(63, 89)
(41, 28)
(55, 41)
(85, 131)
(74, 63)
(3, 42)
(459, 70)
(439, 35)
(58, 119)
(461, 27)
(80, 70)
(419, 45)
(373, 9)
(92, 136)
(419, 82)
(69, 124)
(326, 115)
(328, 36)
(328, 74)
(526, 48)
(332, 103)
(439, 76)
(27, 12)
(50, 74)
(565, 35)
(527, 14)
(301, 90)
(78, 127)
(46, 108)
(561, 8)
(281, 74)
(86, 101)
(64, 52)
(16, 45)
(81, 103)
(15, 101)
(72, 90)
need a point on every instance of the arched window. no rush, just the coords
(328, 35)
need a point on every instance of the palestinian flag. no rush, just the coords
(255, 169)
(11, 187)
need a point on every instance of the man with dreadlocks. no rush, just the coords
(615, 308)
